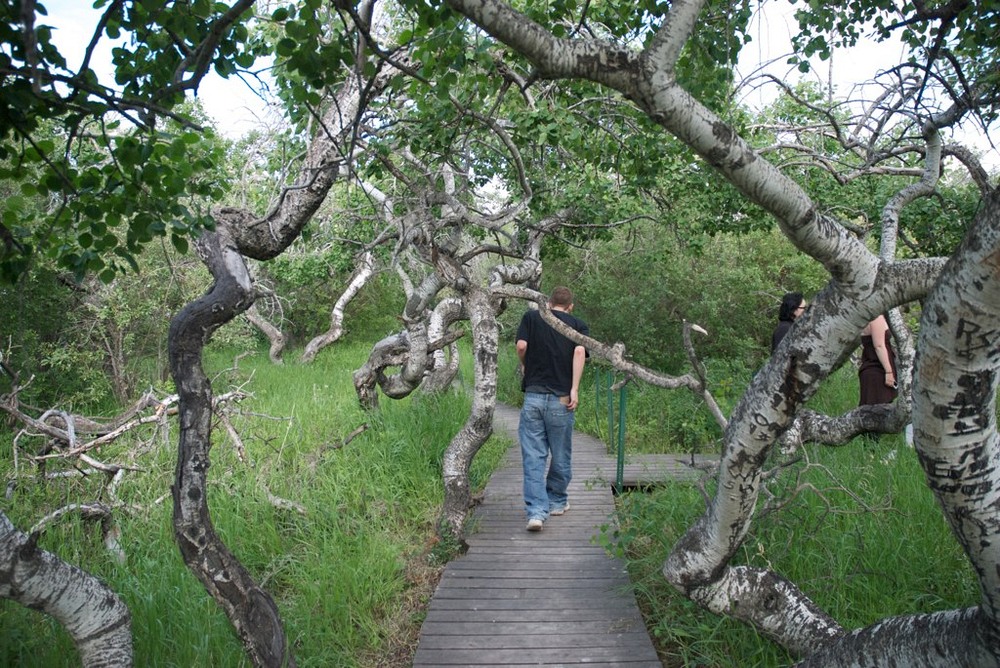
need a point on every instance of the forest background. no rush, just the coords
(289, 487)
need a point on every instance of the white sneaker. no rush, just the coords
(535, 525)
(560, 511)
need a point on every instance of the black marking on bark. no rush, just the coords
(29, 549)
(968, 410)
(940, 316)
(972, 337)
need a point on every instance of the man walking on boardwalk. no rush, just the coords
(552, 366)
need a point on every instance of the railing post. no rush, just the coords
(611, 409)
(616, 437)
(619, 479)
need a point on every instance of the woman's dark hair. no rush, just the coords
(789, 303)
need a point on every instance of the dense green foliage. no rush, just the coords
(101, 168)
(639, 287)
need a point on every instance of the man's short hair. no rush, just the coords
(561, 296)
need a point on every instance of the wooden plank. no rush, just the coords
(553, 599)
(511, 569)
(535, 656)
(548, 598)
(555, 637)
(590, 630)
(610, 606)
(623, 616)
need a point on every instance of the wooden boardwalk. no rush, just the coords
(551, 598)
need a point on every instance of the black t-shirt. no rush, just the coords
(548, 363)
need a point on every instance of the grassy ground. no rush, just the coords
(863, 537)
(351, 576)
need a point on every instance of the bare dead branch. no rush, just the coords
(88, 511)
(347, 439)
(283, 504)
(241, 451)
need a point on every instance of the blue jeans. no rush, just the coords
(545, 428)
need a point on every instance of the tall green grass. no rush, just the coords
(866, 540)
(351, 576)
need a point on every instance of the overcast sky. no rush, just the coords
(230, 102)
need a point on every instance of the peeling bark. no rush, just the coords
(938, 640)
(250, 609)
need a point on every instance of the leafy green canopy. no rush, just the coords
(576, 142)
(952, 44)
(91, 171)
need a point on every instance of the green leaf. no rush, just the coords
(179, 242)
(286, 47)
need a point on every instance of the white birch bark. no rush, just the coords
(955, 392)
(93, 615)
(443, 366)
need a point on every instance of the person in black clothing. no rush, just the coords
(792, 306)
(552, 366)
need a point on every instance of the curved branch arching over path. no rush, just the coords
(239, 235)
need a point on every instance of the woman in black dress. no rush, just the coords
(877, 373)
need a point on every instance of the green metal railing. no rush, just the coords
(605, 382)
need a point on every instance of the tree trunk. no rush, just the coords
(251, 610)
(939, 640)
(478, 427)
(93, 615)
